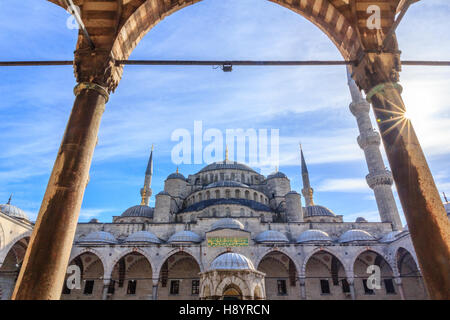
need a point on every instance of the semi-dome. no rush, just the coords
(176, 175)
(356, 235)
(227, 223)
(278, 174)
(389, 237)
(143, 236)
(185, 236)
(271, 236)
(313, 235)
(232, 261)
(98, 237)
(226, 184)
(226, 164)
(316, 210)
(138, 211)
(13, 211)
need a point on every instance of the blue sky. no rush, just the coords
(307, 104)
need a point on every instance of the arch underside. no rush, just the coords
(322, 13)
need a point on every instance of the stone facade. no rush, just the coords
(171, 251)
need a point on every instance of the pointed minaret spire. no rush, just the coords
(9, 200)
(445, 197)
(146, 191)
(226, 152)
(307, 191)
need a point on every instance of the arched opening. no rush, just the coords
(10, 268)
(232, 292)
(281, 276)
(258, 293)
(179, 278)
(367, 289)
(91, 278)
(131, 278)
(412, 281)
(325, 277)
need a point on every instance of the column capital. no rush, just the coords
(97, 66)
(378, 67)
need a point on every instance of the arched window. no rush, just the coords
(217, 194)
(247, 195)
(228, 194)
(199, 197)
(261, 199)
(233, 176)
(255, 196)
(237, 194)
(208, 195)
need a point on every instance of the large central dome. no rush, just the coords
(227, 164)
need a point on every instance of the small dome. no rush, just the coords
(316, 210)
(93, 221)
(360, 220)
(232, 261)
(278, 174)
(176, 175)
(185, 236)
(13, 211)
(143, 236)
(271, 236)
(389, 237)
(138, 211)
(227, 223)
(100, 237)
(356, 235)
(226, 184)
(313, 235)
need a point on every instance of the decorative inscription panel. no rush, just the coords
(228, 242)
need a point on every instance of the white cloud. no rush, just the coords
(343, 185)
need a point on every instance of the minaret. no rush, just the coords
(146, 191)
(379, 178)
(307, 191)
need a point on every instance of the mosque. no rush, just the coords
(229, 232)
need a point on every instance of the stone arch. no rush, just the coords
(281, 273)
(323, 14)
(180, 271)
(408, 273)
(175, 251)
(362, 261)
(411, 252)
(8, 247)
(276, 249)
(325, 275)
(316, 250)
(388, 260)
(233, 280)
(127, 251)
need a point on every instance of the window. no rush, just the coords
(345, 286)
(389, 284)
(131, 289)
(366, 288)
(195, 287)
(112, 287)
(325, 286)
(88, 287)
(175, 287)
(281, 284)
